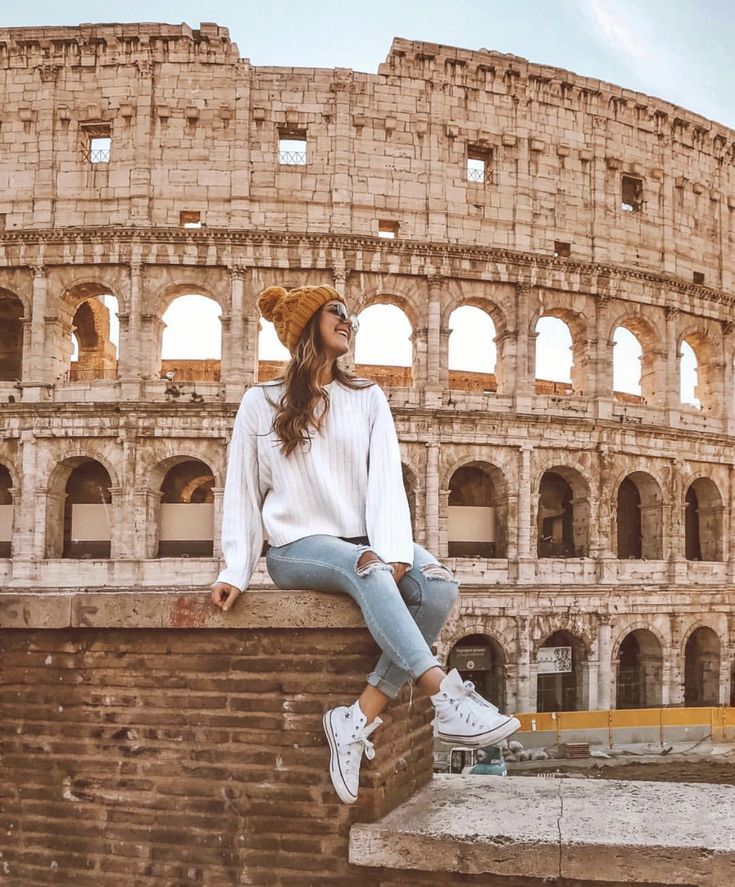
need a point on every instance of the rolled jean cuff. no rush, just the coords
(391, 690)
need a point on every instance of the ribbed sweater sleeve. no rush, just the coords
(387, 516)
(242, 525)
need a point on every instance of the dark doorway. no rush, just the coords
(702, 668)
(480, 659)
(693, 547)
(629, 521)
(555, 517)
(640, 671)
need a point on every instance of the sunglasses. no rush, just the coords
(339, 309)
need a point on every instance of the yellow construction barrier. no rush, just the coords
(719, 721)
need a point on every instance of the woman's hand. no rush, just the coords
(224, 595)
(399, 571)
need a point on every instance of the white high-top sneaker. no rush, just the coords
(347, 733)
(463, 716)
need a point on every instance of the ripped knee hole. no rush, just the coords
(437, 571)
(368, 562)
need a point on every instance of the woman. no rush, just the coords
(314, 457)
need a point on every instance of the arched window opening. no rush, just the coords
(563, 518)
(477, 512)
(472, 353)
(703, 522)
(272, 354)
(384, 346)
(186, 527)
(639, 518)
(11, 337)
(554, 358)
(689, 373)
(627, 366)
(191, 344)
(480, 659)
(639, 671)
(562, 675)
(6, 512)
(702, 668)
(95, 337)
(87, 521)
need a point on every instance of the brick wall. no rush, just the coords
(181, 756)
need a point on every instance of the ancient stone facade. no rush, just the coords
(450, 178)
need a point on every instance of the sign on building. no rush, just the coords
(554, 660)
(471, 658)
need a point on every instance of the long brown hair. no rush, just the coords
(296, 412)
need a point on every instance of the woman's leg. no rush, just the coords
(327, 563)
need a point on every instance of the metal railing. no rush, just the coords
(476, 175)
(293, 158)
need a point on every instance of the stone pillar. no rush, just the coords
(140, 175)
(523, 373)
(117, 518)
(601, 388)
(341, 190)
(124, 535)
(604, 657)
(526, 559)
(728, 387)
(432, 498)
(673, 370)
(590, 682)
(26, 530)
(131, 346)
(524, 691)
(675, 671)
(675, 527)
(38, 380)
(218, 497)
(233, 367)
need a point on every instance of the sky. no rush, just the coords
(678, 50)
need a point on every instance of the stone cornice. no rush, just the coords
(598, 277)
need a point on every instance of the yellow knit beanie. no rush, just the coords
(290, 311)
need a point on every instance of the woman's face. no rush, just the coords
(334, 331)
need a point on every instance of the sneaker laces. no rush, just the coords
(464, 704)
(361, 739)
(480, 700)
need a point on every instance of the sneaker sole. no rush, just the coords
(508, 728)
(345, 795)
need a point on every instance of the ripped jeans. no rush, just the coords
(404, 619)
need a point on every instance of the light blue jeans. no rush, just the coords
(404, 618)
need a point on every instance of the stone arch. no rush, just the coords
(703, 520)
(702, 653)
(176, 532)
(578, 325)
(563, 512)
(562, 681)
(481, 658)
(382, 296)
(83, 315)
(464, 340)
(7, 510)
(639, 664)
(12, 318)
(639, 529)
(391, 375)
(186, 369)
(80, 508)
(487, 305)
(706, 348)
(653, 362)
(477, 510)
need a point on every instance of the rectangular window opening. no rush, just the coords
(292, 147)
(387, 229)
(698, 277)
(562, 250)
(97, 137)
(632, 194)
(190, 219)
(479, 165)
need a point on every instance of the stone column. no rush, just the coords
(38, 379)
(233, 354)
(26, 530)
(522, 380)
(131, 346)
(675, 671)
(673, 360)
(675, 524)
(218, 497)
(728, 388)
(604, 656)
(432, 497)
(729, 525)
(601, 388)
(526, 559)
(117, 517)
(341, 88)
(524, 692)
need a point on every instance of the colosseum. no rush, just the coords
(144, 163)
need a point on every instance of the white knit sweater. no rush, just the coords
(348, 483)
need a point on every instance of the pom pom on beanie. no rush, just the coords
(268, 301)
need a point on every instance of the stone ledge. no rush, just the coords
(547, 829)
(170, 608)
